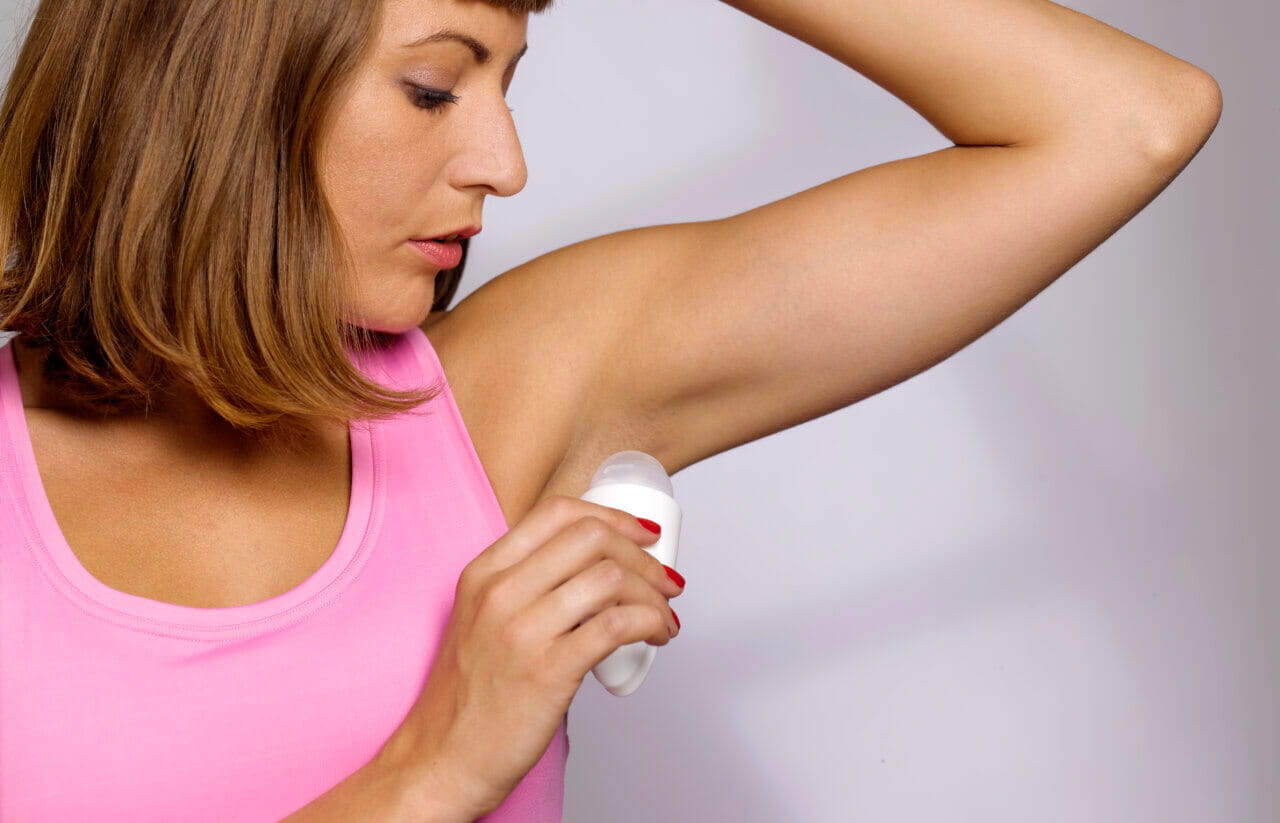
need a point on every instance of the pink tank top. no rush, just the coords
(115, 707)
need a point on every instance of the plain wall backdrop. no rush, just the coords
(1035, 582)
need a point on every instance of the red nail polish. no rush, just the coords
(674, 575)
(676, 616)
(650, 525)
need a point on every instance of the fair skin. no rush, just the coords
(393, 170)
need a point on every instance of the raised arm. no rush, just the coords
(695, 338)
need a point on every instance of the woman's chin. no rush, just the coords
(397, 323)
(394, 309)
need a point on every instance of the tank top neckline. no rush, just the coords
(63, 569)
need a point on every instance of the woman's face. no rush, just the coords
(398, 165)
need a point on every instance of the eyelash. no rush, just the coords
(433, 100)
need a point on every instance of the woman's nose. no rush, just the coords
(491, 154)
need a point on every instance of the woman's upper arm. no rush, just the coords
(689, 339)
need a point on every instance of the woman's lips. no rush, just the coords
(444, 255)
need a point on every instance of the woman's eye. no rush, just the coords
(431, 99)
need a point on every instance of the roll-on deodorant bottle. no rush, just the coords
(638, 484)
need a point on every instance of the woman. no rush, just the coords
(254, 561)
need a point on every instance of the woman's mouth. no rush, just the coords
(445, 254)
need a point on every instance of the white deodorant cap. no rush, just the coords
(636, 467)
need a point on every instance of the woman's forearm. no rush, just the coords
(999, 72)
(381, 793)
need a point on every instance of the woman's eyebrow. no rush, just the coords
(480, 50)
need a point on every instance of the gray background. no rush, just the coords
(1034, 582)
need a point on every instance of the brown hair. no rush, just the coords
(163, 214)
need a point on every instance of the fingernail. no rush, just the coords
(674, 575)
(677, 619)
(650, 525)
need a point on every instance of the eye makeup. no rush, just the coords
(430, 99)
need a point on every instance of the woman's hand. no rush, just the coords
(533, 613)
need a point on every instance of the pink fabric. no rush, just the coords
(115, 707)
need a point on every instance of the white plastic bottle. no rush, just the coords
(636, 483)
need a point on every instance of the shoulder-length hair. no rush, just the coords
(162, 211)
